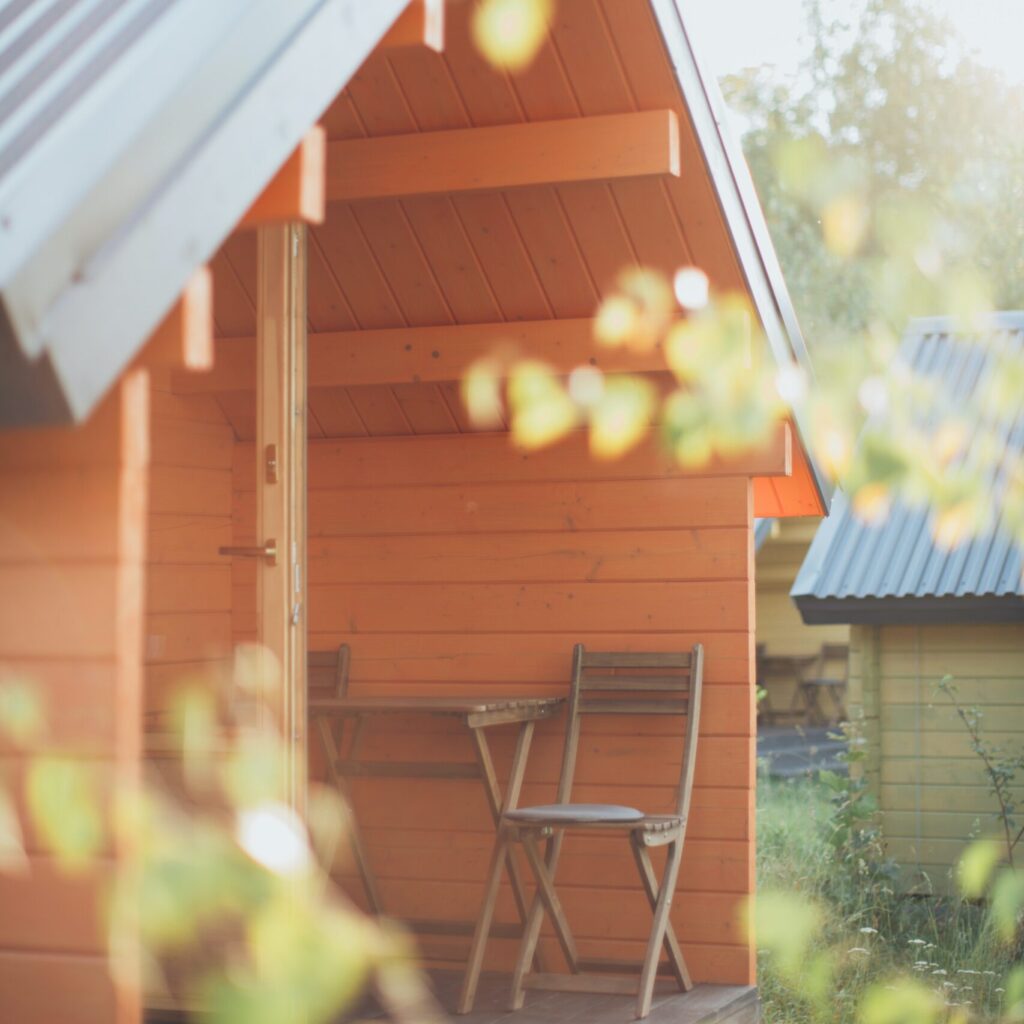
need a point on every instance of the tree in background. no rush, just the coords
(890, 168)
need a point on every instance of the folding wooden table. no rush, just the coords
(477, 715)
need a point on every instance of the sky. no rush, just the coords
(734, 34)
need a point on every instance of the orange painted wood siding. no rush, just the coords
(188, 593)
(483, 581)
(72, 539)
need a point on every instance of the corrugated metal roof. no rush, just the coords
(893, 571)
(133, 136)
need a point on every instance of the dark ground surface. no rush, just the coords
(785, 751)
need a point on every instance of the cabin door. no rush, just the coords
(281, 487)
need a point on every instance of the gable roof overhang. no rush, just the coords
(134, 134)
(745, 220)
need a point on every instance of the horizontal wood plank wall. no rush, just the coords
(483, 581)
(72, 539)
(932, 789)
(188, 600)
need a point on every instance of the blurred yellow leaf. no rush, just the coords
(834, 448)
(63, 800)
(871, 503)
(1013, 1002)
(976, 865)
(481, 393)
(616, 322)
(1007, 902)
(955, 524)
(21, 710)
(690, 349)
(255, 771)
(654, 305)
(905, 1001)
(510, 32)
(844, 224)
(949, 441)
(787, 925)
(621, 417)
(542, 412)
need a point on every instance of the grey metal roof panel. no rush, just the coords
(854, 569)
(133, 136)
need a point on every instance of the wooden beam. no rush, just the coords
(184, 340)
(420, 24)
(297, 192)
(411, 355)
(280, 458)
(504, 156)
(486, 458)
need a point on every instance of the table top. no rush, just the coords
(511, 708)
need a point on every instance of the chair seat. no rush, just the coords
(550, 814)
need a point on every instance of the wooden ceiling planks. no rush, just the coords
(532, 253)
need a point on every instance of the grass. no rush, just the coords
(873, 934)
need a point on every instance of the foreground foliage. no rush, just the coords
(837, 943)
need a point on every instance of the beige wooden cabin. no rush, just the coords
(373, 207)
(781, 633)
(917, 613)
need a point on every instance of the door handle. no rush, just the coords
(267, 551)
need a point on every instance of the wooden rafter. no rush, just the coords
(504, 156)
(297, 192)
(420, 24)
(409, 355)
(184, 339)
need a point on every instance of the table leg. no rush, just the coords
(355, 836)
(498, 804)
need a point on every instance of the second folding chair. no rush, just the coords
(603, 683)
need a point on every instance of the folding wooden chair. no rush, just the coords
(618, 684)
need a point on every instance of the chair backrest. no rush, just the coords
(635, 683)
(832, 663)
(328, 672)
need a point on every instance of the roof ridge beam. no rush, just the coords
(507, 156)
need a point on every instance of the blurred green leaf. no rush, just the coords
(1007, 902)
(63, 799)
(904, 1001)
(977, 863)
(621, 416)
(22, 716)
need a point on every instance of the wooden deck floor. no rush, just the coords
(706, 1004)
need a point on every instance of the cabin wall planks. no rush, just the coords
(473, 584)
(72, 512)
(931, 788)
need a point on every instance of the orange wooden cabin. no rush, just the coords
(464, 206)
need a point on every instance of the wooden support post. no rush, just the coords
(281, 481)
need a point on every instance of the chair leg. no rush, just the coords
(658, 930)
(527, 948)
(553, 905)
(650, 883)
(531, 926)
(483, 926)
